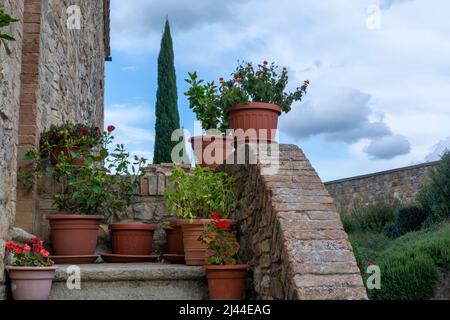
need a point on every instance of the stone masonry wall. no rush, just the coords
(71, 71)
(148, 206)
(292, 234)
(10, 66)
(396, 186)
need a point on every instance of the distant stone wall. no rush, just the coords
(396, 186)
(71, 70)
(148, 206)
(10, 66)
(291, 233)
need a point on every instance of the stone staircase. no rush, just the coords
(130, 281)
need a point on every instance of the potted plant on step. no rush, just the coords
(226, 276)
(215, 146)
(30, 270)
(87, 193)
(193, 196)
(253, 99)
(174, 241)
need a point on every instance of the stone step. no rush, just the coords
(130, 281)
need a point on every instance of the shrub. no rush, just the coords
(408, 218)
(371, 218)
(435, 196)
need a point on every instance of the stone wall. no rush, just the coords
(71, 70)
(148, 206)
(396, 186)
(10, 66)
(62, 79)
(291, 233)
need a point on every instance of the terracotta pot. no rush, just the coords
(260, 116)
(132, 239)
(226, 282)
(195, 251)
(212, 150)
(174, 238)
(31, 283)
(56, 152)
(74, 235)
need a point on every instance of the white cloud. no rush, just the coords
(388, 147)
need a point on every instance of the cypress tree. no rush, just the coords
(167, 116)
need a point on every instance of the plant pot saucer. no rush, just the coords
(125, 258)
(74, 259)
(174, 258)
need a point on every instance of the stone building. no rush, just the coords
(52, 73)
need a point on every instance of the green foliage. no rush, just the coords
(408, 218)
(205, 102)
(435, 195)
(167, 116)
(103, 183)
(198, 194)
(6, 20)
(248, 84)
(371, 218)
(409, 264)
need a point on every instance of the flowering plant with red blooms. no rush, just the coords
(30, 254)
(263, 83)
(219, 238)
(104, 182)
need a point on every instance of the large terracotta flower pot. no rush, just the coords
(260, 116)
(74, 235)
(132, 239)
(31, 283)
(56, 152)
(226, 282)
(174, 238)
(194, 250)
(212, 150)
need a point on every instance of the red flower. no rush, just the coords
(200, 238)
(266, 62)
(44, 253)
(18, 250)
(111, 128)
(26, 248)
(223, 224)
(84, 132)
(9, 245)
(216, 216)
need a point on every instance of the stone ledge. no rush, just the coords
(132, 272)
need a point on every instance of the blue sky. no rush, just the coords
(379, 71)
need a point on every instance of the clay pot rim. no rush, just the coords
(132, 226)
(51, 268)
(74, 217)
(209, 137)
(226, 267)
(254, 105)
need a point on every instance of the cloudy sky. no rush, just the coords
(379, 70)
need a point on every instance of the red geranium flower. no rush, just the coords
(84, 132)
(18, 250)
(44, 253)
(111, 128)
(9, 245)
(216, 216)
(223, 224)
(26, 247)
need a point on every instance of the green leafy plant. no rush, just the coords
(221, 241)
(6, 20)
(104, 182)
(434, 197)
(265, 83)
(30, 254)
(372, 217)
(199, 193)
(407, 219)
